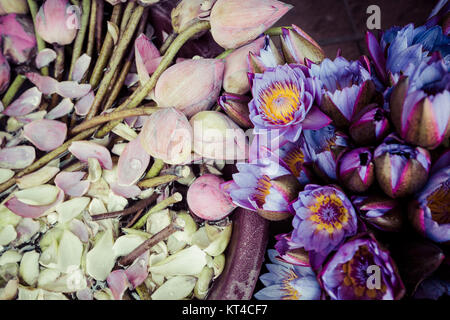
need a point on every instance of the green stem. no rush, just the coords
(78, 46)
(224, 54)
(126, 17)
(106, 50)
(92, 25)
(167, 43)
(12, 90)
(156, 168)
(40, 42)
(139, 95)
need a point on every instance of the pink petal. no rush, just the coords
(39, 115)
(27, 228)
(138, 272)
(80, 67)
(79, 229)
(126, 191)
(132, 163)
(72, 89)
(117, 283)
(17, 157)
(62, 109)
(315, 119)
(71, 184)
(83, 105)
(26, 103)
(28, 211)
(46, 135)
(45, 57)
(83, 150)
(146, 55)
(45, 84)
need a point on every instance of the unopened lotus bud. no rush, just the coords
(236, 107)
(216, 136)
(371, 127)
(185, 14)
(57, 22)
(420, 119)
(401, 169)
(380, 211)
(236, 22)
(207, 200)
(235, 79)
(5, 72)
(268, 57)
(298, 45)
(13, 6)
(356, 169)
(190, 86)
(19, 42)
(167, 135)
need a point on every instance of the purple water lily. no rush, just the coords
(347, 88)
(361, 270)
(430, 212)
(284, 98)
(288, 282)
(324, 218)
(264, 186)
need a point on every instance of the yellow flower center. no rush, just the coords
(279, 102)
(290, 293)
(329, 213)
(294, 160)
(262, 190)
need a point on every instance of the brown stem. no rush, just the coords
(135, 217)
(106, 117)
(149, 243)
(126, 16)
(99, 24)
(137, 207)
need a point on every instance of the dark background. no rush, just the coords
(341, 24)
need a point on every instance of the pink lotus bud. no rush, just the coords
(185, 14)
(190, 86)
(57, 22)
(235, 79)
(167, 135)
(5, 71)
(298, 45)
(13, 6)
(236, 107)
(236, 22)
(206, 199)
(356, 169)
(216, 136)
(19, 42)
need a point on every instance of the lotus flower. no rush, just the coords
(5, 71)
(167, 135)
(356, 169)
(235, 78)
(401, 169)
(324, 218)
(361, 270)
(287, 282)
(419, 106)
(264, 186)
(381, 212)
(402, 50)
(285, 99)
(217, 137)
(371, 127)
(268, 57)
(207, 201)
(57, 22)
(235, 23)
(291, 252)
(347, 88)
(190, 86)
(19, 42)
(13, 6)
(236, 107)
(298, 45)
(429, 212)
(324, 147)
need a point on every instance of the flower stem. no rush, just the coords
(175, 198)
(157, 181)
(106, 117)
(91, 33)
(224, 54)
(139, 95)
(78, 46)
(126, 17)
(167, 43)
(115, 60)
(156, 168)
(12, 90)
(40, 42)
(99, 24)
